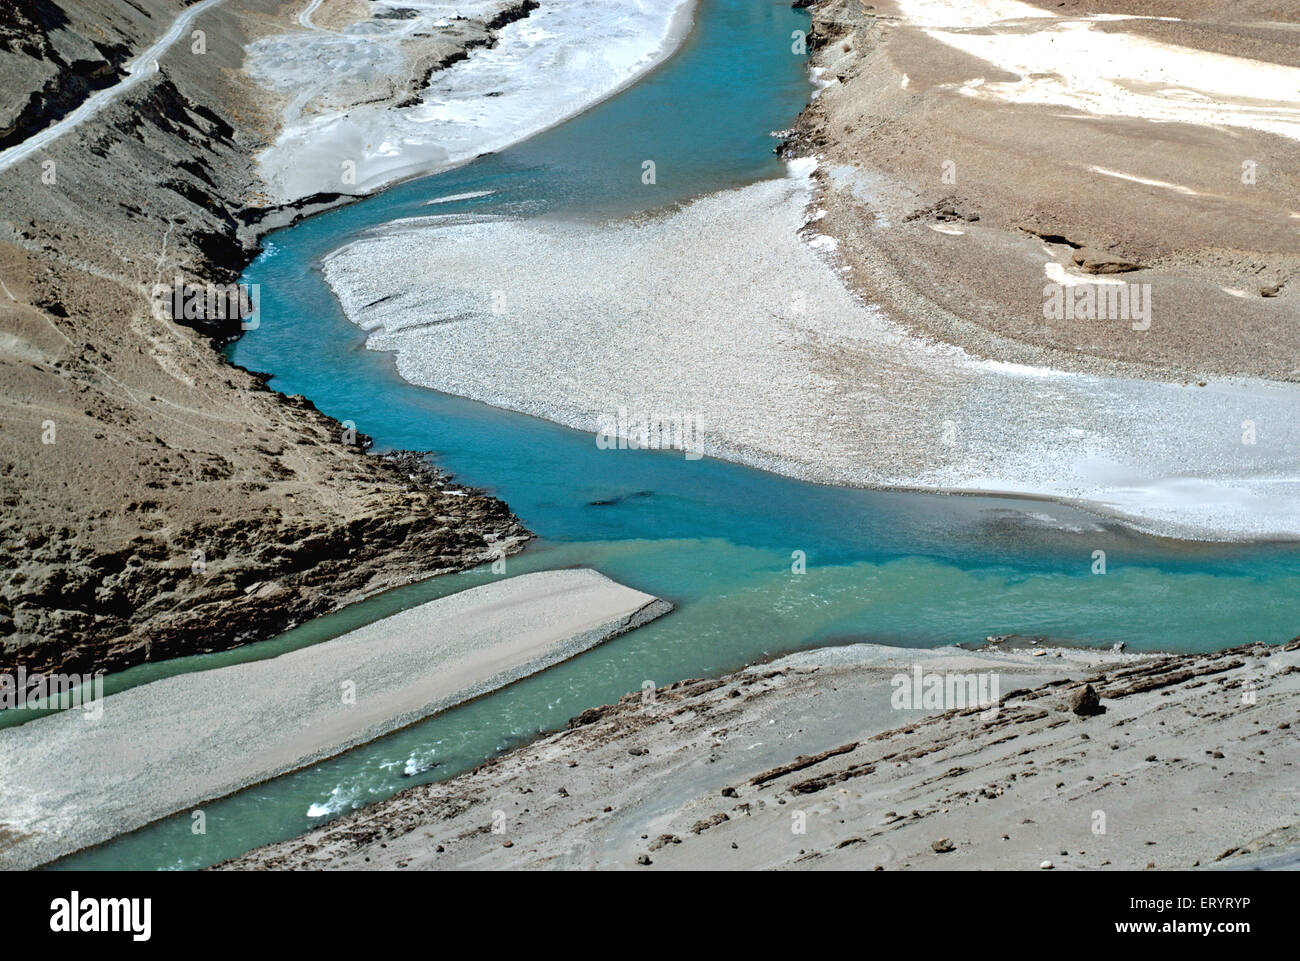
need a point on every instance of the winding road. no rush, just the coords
(142, 67)
(304, 18)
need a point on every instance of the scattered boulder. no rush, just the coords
(1099, 262)
(703, 825)
(1085, 702)
(663, 840)
(942, 846)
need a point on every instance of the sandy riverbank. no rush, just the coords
(749, 332)
(372, 101)
(71, 780)
(974, 152)
(806, 763)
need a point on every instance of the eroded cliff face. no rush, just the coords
(156, 500)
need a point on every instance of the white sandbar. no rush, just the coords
(730, 312)
(68, 781)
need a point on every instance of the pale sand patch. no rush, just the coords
(68, 781)
(962, 13)
(1176, 188)
(1029, 172)
(1069, 276)
(1068, 63)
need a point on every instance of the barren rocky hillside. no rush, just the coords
(53, 55)
(158, 501)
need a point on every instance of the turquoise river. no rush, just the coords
(716, 539)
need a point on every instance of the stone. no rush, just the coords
(1085, 702)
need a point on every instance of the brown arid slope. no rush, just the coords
(53, 54)
(973, 152)
(157, 500)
